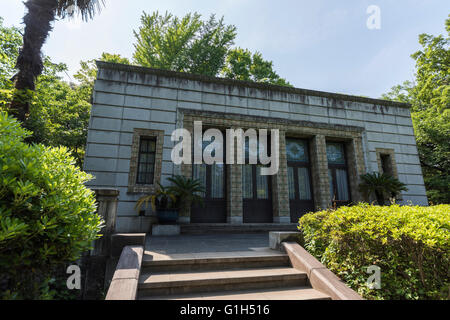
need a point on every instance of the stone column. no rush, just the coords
(280, 187)
(234, 198)
(107, 200)
(356, 167)
(94, 265)
(321, 183)
(187, 171)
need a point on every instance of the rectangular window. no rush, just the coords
(386, 164)
(146, 162)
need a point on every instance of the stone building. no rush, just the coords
(326, 140)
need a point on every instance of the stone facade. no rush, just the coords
(131, 101)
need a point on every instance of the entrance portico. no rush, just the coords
(301, 185)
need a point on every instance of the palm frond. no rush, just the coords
(86, 8)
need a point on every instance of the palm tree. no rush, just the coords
(38, 20)
(382, 185)
(188, 191)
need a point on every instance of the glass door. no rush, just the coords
(299, 178)
(257, 193)
(213, 178)
(338, 174)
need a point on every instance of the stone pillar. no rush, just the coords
(94, 266)
(107, 200)
(280, 187)
(321, 183)
(235, 211)
(356, 167)
(187, 171)
(185, 214)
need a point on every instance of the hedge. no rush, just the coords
(47, 215)
(410, 244)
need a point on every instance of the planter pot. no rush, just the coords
(167, 216)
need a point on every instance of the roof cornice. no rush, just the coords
(246, 84)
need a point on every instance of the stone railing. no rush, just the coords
(124, 283)
(319, 276)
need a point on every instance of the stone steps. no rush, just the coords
(207, 281)
(297, 293)
(247, 278)
(206, 264)
(214, 228)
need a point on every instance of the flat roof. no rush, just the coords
(246, 84)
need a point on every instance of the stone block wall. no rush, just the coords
(128, 98)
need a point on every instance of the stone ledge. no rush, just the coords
(277, 237)
(120, 240)
(165, 230)
(125, 281)
(105, 192)
(319, 276)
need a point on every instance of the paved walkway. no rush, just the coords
(208, 246)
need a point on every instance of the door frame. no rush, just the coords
(333, 168)
(301, 164)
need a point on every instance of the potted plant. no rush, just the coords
(167, 202)
(164, 203)
(187, 191)
(382, 186)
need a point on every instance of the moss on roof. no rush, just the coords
(246, 84)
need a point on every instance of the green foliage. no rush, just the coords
(59, 111)
(10, 42)
(186, 45)
(88, 71)
(382, 186)
(411, 245)
(190, 44)
(186, 190)
(59, 115)
(429, 96)
(47, 215)
(162, 198)
(243, 65)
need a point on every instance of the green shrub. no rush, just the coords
(47, 215)
(410, 244)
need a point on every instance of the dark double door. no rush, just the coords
(257, 195)
(299, 178)
(214, 209)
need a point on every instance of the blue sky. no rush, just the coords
(318, 44)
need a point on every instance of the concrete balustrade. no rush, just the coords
(126, 277)
(319, 276)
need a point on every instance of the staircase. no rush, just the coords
(224, 228)
(267, 277)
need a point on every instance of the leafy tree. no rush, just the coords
(41, 14)
(11, 40)
(88, 71)
(190, 44)
(429, 96)
(186, 45)
(59, 111)
(241, 64)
